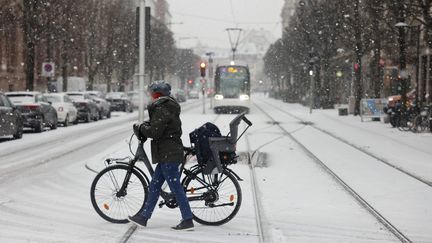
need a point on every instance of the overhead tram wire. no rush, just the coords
(233, 15)
(202, 17)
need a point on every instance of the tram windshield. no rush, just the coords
(233, 81)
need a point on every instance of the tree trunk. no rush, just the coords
(30, 43)
(327, 96)
(65, 60)
(91, 76)
(376, 70)
(375, 65)
(426, 10)
(358, 85)
(108, 76)
(402, 53)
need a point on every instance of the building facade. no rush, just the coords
(11, 47)
(66, 52)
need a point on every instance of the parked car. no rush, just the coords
(119, 101)
(96, 93)
(135, 99)
(179, 95)
(67, 113)
(87, 108)
(193, 94)
(11, 123)
(36, 111)
(104, 106)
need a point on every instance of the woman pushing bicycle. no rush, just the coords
(164, 128)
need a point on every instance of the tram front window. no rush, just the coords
(233, 82)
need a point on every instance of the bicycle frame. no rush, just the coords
(141, 155)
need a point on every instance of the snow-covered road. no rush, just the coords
(45, 186)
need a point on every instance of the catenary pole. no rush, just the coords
(141, 59)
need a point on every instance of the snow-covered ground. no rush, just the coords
(48, 199)
(404, 201)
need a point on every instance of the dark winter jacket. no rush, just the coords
(164, 127)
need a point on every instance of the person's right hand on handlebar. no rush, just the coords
(137, 131)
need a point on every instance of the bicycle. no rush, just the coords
(422, 121)
(406, 118)
(120, 190)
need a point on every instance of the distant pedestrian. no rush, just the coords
(164, 127)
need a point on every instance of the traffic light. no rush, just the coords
(190, 83)
(203, 69)
(356, 67)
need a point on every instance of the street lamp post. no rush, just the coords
(141, 59)
(210, 85)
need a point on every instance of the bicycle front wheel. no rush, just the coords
(112, 204)
(421, 123)
(214, 199)
(404, 123)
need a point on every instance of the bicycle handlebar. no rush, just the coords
(247, 121)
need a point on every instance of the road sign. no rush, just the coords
(48, 69)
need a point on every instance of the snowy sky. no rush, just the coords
(206, 20)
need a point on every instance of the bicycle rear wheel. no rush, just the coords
(404, 123)
(115, 206)
(419, 124)
(214, 199)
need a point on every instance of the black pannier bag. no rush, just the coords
(200, 138)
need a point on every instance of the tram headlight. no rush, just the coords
(218, 97)
(244, 97)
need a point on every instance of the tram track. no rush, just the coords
(380, 159)
(257, 203)
(365, 204)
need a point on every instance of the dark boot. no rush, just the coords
(185, 225)
(138, 220)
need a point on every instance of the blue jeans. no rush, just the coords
(167, 171)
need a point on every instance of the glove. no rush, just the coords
(137, 132)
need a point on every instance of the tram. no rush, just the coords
(231, 89)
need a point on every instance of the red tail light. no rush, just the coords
(32, 107)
